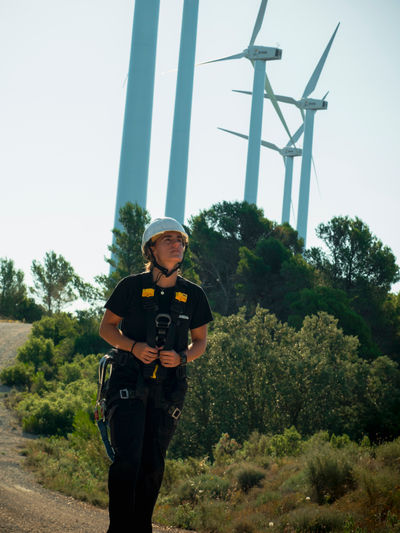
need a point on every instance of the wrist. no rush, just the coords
(133, 345)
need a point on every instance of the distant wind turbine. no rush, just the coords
(178, 163)
(288, 152)
(310, 105)
(258, 55)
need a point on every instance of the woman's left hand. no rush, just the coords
(170, 358)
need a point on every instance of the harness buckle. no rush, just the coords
(176, 413)
(163, 320)
(124, 394)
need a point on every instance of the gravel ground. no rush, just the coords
(25, 506)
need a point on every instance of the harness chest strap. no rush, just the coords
(176, 329)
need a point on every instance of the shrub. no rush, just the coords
(288, 443)
(203, 487)
(330, 475)
(340, 441)
(225, 450)
(249, 476)
(37, 350)
(18, 375)
(178, 470)
(312, 519)
(244, 527)
(56, 327)
(90, 343)
(46, 418)
(53, 414)
(69, 372)
(380, 488)
(389, 454)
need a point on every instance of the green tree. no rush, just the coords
(335, 302)
(217, 236)
(269, 273)
(357, 262)
(56, 284)
(382, 400)
(12, 287)
(355, 258)
(259, 374)
(126, 250)
(14, 302)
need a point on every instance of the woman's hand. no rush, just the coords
(170, 358)
(145, 353)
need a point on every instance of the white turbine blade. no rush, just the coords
(323, 98)
(243, 92)
(264, 143)
(274, 102)
(318, 69)
(227, 58)
(270, 145)
(316, 176)
(259, 21)
(297, 135)
(279, 97)
(235, 133)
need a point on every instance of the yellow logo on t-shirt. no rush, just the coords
(181, 296)
(147, 293)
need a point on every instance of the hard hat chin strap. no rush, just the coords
(167, 273)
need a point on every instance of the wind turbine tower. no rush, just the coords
(178, 164)
(135, 149)
(288, 152)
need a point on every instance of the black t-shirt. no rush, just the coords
(126, 302)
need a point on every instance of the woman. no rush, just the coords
(147, 319)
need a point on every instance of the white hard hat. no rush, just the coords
(161, 225)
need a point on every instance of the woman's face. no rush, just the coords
(168, 249)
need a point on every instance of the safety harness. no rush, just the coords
(162, 330)
(165, 329)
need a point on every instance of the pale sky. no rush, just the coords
(62, 95)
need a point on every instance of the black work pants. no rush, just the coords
(141, 430)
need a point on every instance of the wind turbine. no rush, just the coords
(135, 149)
(178, 163)
(258, 55)
(288, 152)
(310, 106)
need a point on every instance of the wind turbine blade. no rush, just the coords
(274, 102)
(316, 176)
(279, 97)
(323, 98)
(235, 133)
(270, 145)
(297, 135)
(317, 72)
(227, 58)
(259, 21)
(264, 143)
(243, 92)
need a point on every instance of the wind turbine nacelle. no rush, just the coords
(314, 104)
(263, 53)
(291, 151)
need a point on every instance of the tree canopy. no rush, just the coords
(55, 282)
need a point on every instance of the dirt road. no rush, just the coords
(25, 506)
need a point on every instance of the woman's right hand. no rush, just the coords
(145, 353)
